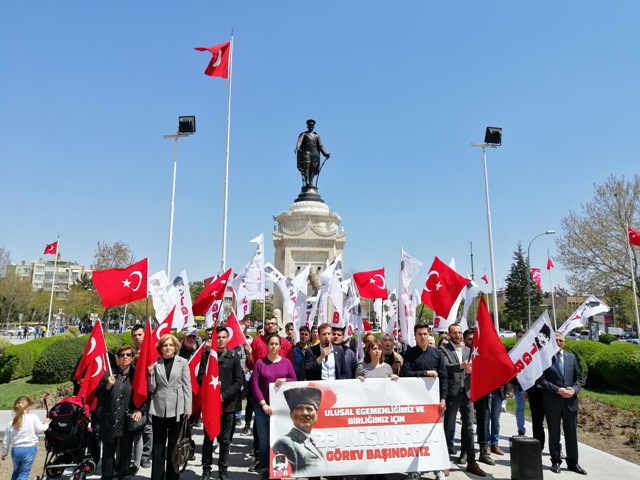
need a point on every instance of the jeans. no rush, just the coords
(492, 423)
(22, 458)
(262, 425)
(520, 403)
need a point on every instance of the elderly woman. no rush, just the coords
(115, 392)
(170, 392)
(374, 365)
(391, 357)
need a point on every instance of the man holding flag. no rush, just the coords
(230, 377)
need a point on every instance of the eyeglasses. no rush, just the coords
(120, 355)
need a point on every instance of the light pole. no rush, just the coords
(186, 127)
(548, 232)
(492, 139)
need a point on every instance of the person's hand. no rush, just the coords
(280, 381)
(150, 369)
(186, 416)
(207, 345)
(267, 409)
(47, 421)
(524, 395)
(571, 391)
(111, 381)
(466, 366)
(326, 351)
(442, 407)
(136, 415)
(431, 373)
(361, 378)
(395, 377)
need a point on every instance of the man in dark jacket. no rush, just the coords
(327, 361)
(231, 376)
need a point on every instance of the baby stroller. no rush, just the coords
(67, 440)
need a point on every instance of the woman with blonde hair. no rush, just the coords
(170, 403)
(22, 432)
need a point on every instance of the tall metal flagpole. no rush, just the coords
(633, 282)
(53, 284)
(553, 301)
(226, 165)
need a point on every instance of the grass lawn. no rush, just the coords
(10, 391)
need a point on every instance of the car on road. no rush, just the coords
(18, 332)
(507, 334)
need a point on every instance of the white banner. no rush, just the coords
(359, 428)
(534, 352)
(591, 306)
(181, 296)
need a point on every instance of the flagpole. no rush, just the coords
(53, 284)
(226, 165)
(553, 301)
(633, 282)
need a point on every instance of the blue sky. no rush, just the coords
(399, 90)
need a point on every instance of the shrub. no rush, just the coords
(607, 338)
(619, 366)
(509, 343)
(73, 330)
(17, 360)
(4, 344)
(586, 350)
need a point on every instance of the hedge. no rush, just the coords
(58, 361)
(17, 360)
(619, 366)
(586, 351)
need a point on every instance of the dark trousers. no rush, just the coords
(94, 442)
(537, 415)
(165, 431)
(123, 445)
(555, 413)
(463, 403)
(248, 409)
(481, 406)
(227, 424)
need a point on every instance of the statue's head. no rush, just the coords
(311, 123)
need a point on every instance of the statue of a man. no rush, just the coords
(308, 150)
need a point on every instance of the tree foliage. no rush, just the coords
(593, 245)
(516, 302)
(15, 293)
(118, 255)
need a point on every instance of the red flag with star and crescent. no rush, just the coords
(119, 286)
(371, 284)
(491, 366)
(219, 64)
(442, 288)
(550, 264)
(194, 366)
(93, 366)
(634, 237)
(213, 292)
(486, 280)
(236, 336)
(210, 397)
(148, 354)
(51, 248)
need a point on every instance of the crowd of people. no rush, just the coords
(129, 437)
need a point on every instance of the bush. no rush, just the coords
(619, 366)
(607, 338)
(73, 330)
(586, 350)
(509, 343)
(17, 360)
(4, 344)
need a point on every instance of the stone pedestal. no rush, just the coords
(307, 233)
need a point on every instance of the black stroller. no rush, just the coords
(67, 440)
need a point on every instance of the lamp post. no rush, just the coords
(186, 127)
(492, 139)
(548, 232)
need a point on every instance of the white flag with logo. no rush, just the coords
(331, 279)
(299, 283)
(533, 354)
(471, 291)
(591, 307)
(158, 287)
(181, 296)
(409, 268)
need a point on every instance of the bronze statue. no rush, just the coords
(308, 150)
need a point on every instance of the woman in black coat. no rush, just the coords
(117, 404)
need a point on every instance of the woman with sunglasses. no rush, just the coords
(116, 394)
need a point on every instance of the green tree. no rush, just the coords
(83, 282)
(593, 246)
(15, 293)
(516, 302)
(38, 307)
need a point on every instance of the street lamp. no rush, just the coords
(492, 139)
(186, 127)
(548, 232)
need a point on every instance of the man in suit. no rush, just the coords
(231, 378)
(561, 383)
(458, 363)
(327, 361)
(297, 445)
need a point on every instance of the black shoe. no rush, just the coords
(254, 466)
(463, 458)
(206, 476)
(578, 469)
(555, 467)
(145, 463)
(133, 469)
(224, 476)
(246, 430)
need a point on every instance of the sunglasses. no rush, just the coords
(125, 355)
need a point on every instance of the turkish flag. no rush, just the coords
(236, 336)
(219, 64)
(371, 284)
(550, 264)
(194, 366)
(442, 288)
(210, 397)
(486, 280)
(535, 272)
(94, 364)
(634, 237)
(214, 291)
(118, 286)
(491, 365)
(52, 248)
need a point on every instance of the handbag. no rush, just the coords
(135, 426)
(183, 449)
